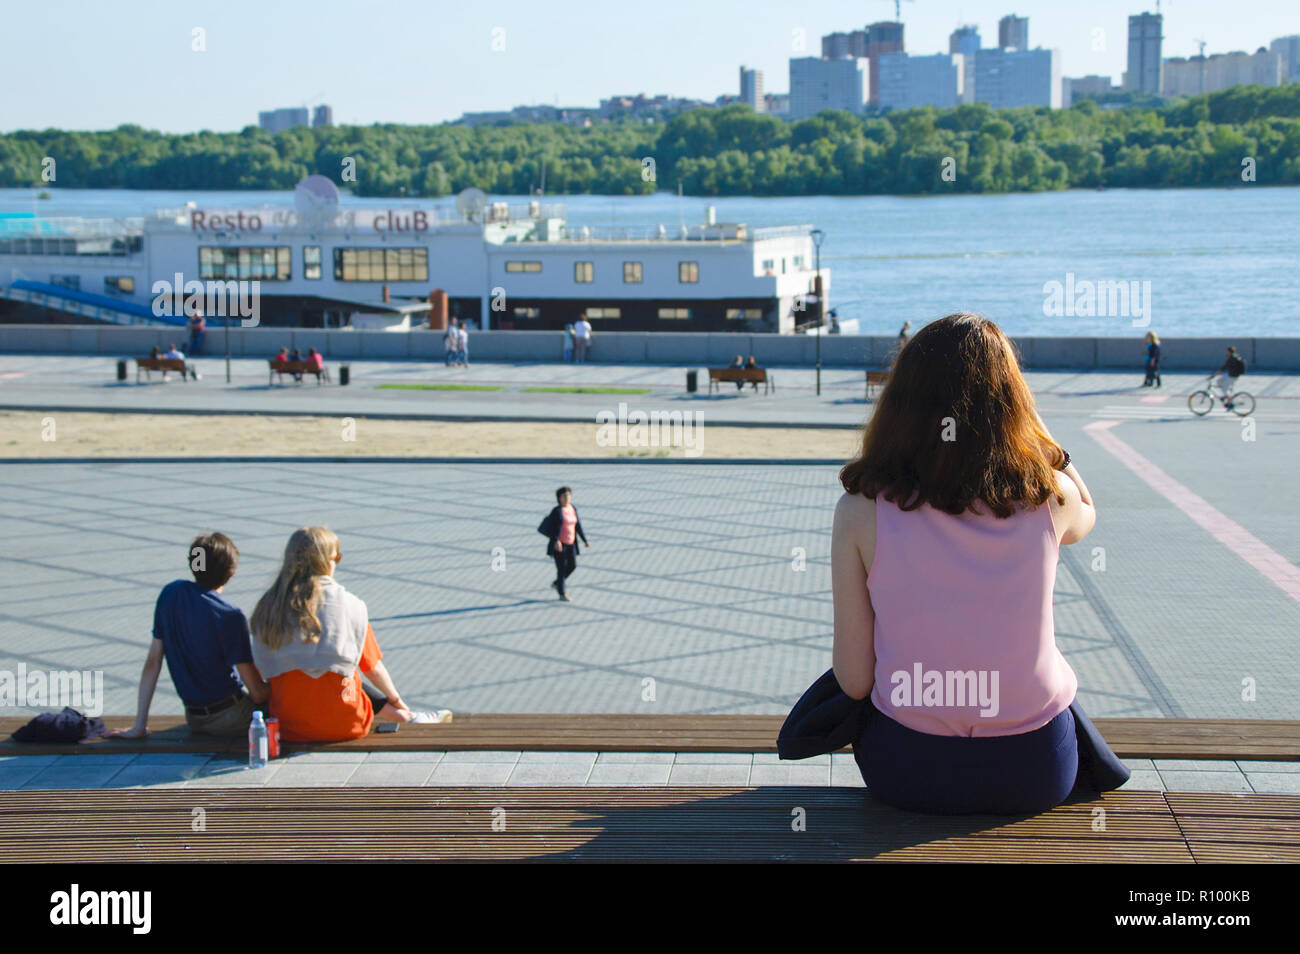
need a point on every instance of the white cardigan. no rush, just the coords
(343, 622)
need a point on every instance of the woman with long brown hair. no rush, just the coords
(312, 641)
(943, 561)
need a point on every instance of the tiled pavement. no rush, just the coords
(89, 383)
(361, 769)
(693, 582)
(706, 588)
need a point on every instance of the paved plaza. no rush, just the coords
(523, 769)
(90, 384)
(707, 587)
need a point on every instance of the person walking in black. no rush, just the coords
(563, 529)
(1153, 360)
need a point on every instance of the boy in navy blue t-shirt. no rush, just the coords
(205, 641)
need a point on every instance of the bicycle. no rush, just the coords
(1201, 402)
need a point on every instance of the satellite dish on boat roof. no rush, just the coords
(470, 203)
(316, 200)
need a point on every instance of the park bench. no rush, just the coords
(643, 822)
(1215, 739)
(876, 379)
(747, 375)
(297, 367)
(160, 364)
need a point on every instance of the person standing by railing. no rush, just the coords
(450, 342)
(197, 328)
(462, 344)
(581, 338)
(1153, 360)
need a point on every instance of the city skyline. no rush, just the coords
(419, 64)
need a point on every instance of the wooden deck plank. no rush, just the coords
(1228, 828)
(570, 823)
(1263, 740)
(400, 798)
(658, 824)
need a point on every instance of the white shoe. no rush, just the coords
(438, 715)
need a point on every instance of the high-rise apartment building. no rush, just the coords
(908, 81)
(966, 41)
(322, 116)
(1013, 33)
(817, 84)
(1288, 47)
(1007, 78)
(278, 120)
(884, 37)
(1193, 75)
(1145, 66)
(751, 89)
(1074, 89)
(836, 46)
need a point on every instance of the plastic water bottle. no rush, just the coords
(257, 741)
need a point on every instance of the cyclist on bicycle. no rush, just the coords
(1233, 367)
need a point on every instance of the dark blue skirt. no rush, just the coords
(957, 775)
(953, 775)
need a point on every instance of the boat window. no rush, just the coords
(381, 264)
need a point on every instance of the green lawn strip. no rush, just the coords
(580, 390)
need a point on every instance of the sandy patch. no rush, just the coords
(28, 435)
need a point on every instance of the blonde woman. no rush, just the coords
(1153, 360)
(310, 638)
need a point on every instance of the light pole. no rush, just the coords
(817, 236)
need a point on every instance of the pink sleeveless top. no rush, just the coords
(964, 636)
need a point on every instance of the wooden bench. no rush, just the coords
(1216, 739)
(644, 823)
(747, 375)
(641, 823)
(160, 364)
(876, 379)
(297, 367)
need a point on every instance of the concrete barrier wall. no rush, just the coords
(711, 350)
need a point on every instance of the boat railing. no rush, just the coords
(71, 226)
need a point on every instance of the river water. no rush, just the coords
(1194, 261)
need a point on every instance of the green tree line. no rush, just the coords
(1199, 141)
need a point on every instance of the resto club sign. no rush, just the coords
(385, 220)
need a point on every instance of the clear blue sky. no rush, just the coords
(94, 64)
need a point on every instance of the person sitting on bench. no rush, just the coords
(312, 640)
(172, 354)
(296, 357)
(203, 639)
(738, 364)
(944, 551)
(317, 359)
(752, 365)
